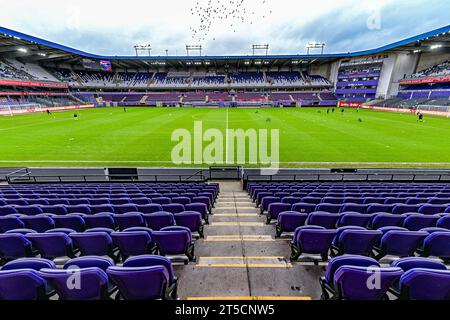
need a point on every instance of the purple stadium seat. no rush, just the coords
(133, 243)
(311, 240)
(198, 207)
(158, 220)
(151, 261)
(173, 208)
(437, 244)
(14, 245)
(38, 223)
(9, 223)
(70, 221)
(323, 219)
(149, 208)
(102, 263)
(94, 244)
(100, 220)
(29, 263)
(144, 283)
(399, 243)
(162, 200)
(289, 221)
(266, 201)
(329, 207)
(32, 210)
(7, 210)
(104, 208)
(275, 209)
(351, 282)
(303, 207)
(327, 281)
(93, 283)
(173, 241)
(128, 220)
(52, 245)
(444, 222)
(357, 242)
(32, 285)
(191, 220)
(425, 284)
(380, 220)
(417, 222)
(354, 219)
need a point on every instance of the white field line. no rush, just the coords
(157, 161)
(226, 139)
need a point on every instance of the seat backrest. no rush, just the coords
(10, 223)
(92, 243)
(410, 263)
(132, 243)
(172, 242)
(145, 283)
(352, 282)
(358, 241)
(23, 284)
(158, 220)
(102, 263)
(417, 222)
(150, 261)
(29, 263)
(92, 283)
(52, 245)
(323, 219)
(425, 284)
(437, 244)
(14, 245)
(402, 243)
(189, 219)
(348, 260)
(315, 241)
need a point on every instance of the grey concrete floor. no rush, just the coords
(240, 257)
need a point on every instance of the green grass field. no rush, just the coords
(142, 137)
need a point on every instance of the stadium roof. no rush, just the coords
(28, 48)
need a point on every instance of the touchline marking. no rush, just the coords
(238, 298)
(226, 140)
(237, 224)
(162, 161)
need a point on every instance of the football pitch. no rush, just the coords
(309, 137)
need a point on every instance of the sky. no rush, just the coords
(223, 27)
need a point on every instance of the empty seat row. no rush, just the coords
(273, 205)
(388, 241)
(351, 278)
(145, 277)
(80, 222)
(169, 241)
(288, 221)
(203, 206)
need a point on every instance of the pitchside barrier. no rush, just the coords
(428, 110)
(98, 175)
(11, 110)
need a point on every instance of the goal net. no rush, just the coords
(11, 110)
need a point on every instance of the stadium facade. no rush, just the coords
(409, 74)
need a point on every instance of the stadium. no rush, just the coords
(234, 177)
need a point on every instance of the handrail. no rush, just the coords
(107, 178)
(348, 177)
(17, 171)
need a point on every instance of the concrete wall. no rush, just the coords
(405, 65)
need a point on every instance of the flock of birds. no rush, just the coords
(233, 12)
